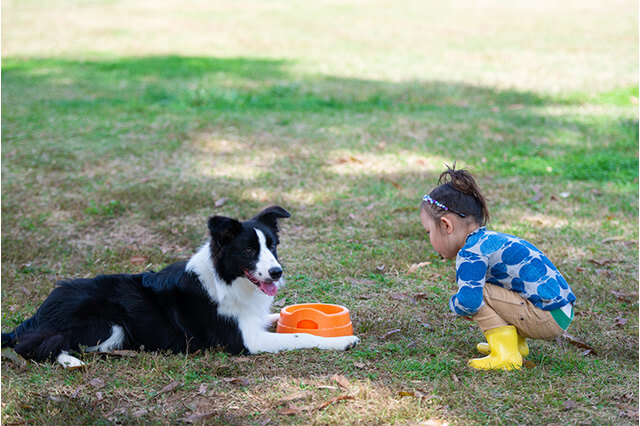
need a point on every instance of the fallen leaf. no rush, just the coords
(220, 202)
(170, 387)
(416, 394)
(529, 364)
(391, 333)
(327, 387)
(359, 364)
(454, 378)
(629, 396)
(349, 159)
(341, 380)
(365, 296)
(333, 401)
(290, 411)
(611, 240)
(414, 268)
(603, 262)
(236, 380)
(138, 260)
(97, 383)
(628, 411)
(620, 321)
(395, 184)
(99, 396)
(607, 273)
(280, 303)
(76, 392)
(404, 297)
(121, 352)
(618, 240)
(202, 389)
(140, 413)
(577, 342)
(196, 417)
(296, 397)
(569, 404)
(632, 295)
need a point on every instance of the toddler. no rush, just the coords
(505, 284)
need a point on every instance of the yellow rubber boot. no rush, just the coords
(504, 353)
(483, 348)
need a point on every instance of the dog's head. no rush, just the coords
(248, 249)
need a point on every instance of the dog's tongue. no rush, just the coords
(269, 289)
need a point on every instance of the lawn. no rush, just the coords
(126, 124)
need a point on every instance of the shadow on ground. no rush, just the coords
(168, 99)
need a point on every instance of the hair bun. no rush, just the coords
(462, 181)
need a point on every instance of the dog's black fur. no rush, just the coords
(168, 310)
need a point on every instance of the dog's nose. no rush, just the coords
(275, 272)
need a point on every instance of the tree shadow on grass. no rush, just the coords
(91, 105)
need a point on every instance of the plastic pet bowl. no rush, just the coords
(321, 319)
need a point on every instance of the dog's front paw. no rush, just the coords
(350, 342)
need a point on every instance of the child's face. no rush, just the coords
(441, 235)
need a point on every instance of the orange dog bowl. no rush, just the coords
(321, 319)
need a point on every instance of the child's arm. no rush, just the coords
(471, 272)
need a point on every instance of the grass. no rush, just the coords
(126, 124)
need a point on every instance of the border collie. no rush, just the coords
(220, 297)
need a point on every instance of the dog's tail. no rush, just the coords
(10, 339)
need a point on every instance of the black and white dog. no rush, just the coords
(220, 297)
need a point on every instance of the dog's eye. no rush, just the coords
(249, 251)
(273, 247)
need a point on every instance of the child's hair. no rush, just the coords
(457, 193)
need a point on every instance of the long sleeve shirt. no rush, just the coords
(510, 262)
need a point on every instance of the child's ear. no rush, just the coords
(446, 224)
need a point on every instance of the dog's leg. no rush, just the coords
(273, 318)
(113, 342)
(276, 342)
(257, 339)
(69, 362)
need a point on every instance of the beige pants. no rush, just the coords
(505, 307)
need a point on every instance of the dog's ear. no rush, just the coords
(223, 230)
(270, 216)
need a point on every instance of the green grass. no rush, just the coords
(120, 135)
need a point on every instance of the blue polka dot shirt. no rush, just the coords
(510, 262)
